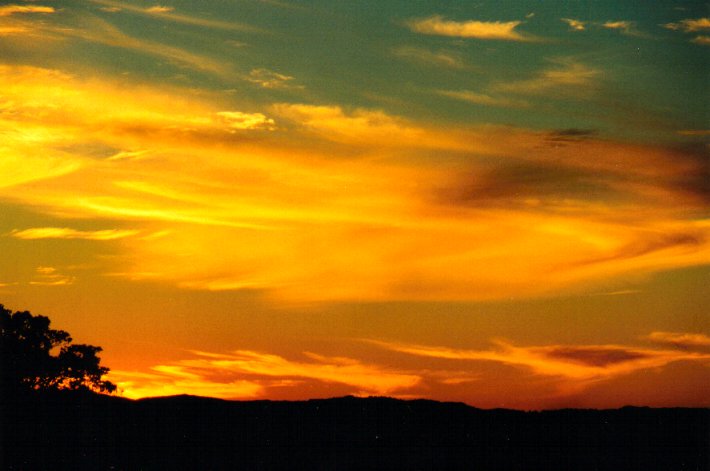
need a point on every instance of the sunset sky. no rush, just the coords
(500, 203)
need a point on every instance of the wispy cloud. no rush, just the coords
(567, 75)
(8, 10)
(437, 25)
(574, 25)
(270, 79)
(159, 9)
(282, 204)
(66, 233)
(246, 373)
(50, 276)
(682, 340)
(689, 25)
(241, 120)
(425, 56)
(167, 13)
(625, 27)
(574, 362)
(482, 98)
(702, 40)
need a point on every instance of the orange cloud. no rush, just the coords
(686, 341)
(577, 363)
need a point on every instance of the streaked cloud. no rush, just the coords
(50, 276)
(281, 206)
(682, 340)
(270, 79)
(66, 233)
(159, 9)
(581, 363)
(241, 120)
(8, 10)
(702, 40)
(244, 373)
(426, 56)
(482, 98)
(437, 25)
(574, 25)
(167, 13)
(568, 74)
(626, 27)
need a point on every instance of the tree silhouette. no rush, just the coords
(28, 363)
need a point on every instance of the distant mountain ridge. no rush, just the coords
(89, 431)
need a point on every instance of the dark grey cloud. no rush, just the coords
(595, 356)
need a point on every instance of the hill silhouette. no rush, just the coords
(84, 430)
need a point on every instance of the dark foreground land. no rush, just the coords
(85, 431)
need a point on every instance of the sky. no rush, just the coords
(499, 203)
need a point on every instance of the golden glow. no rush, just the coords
(307, 226)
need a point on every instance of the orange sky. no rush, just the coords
(410, 209)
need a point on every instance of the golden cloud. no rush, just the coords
(66, 233)
(8, 10)
(690, 25)
(568, 75)
(338, 204)
(50, 276)
(214, 374)
(574, 25)
(437, 25)
(482, 98)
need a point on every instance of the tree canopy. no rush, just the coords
(36, 357)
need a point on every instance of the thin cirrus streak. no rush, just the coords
(67, 233)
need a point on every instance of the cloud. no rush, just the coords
(425, 56)
(342, 204)
(684, 341)
(8, 10)
(66, 233)
(702, 40)
(240, 120)
(577, 363)
(13, 30)
(247, 373)
(482, 98)
(437, 25)
(270, 79)
(49, 276)
(574, 25)
(689, 25)
(159, 9)
(567, 75)
(167, 13)
(626, 27)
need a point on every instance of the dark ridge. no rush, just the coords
(70, 430)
